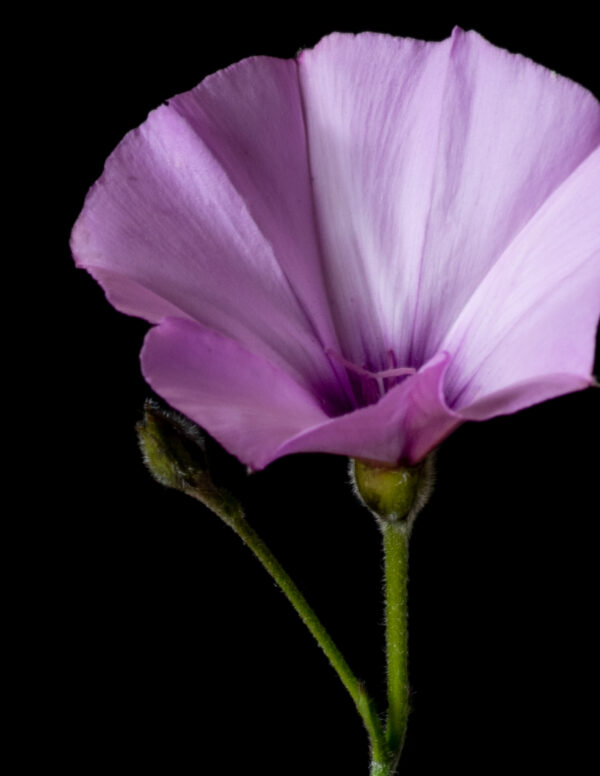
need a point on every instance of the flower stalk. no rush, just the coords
(395, 542)
(396, 536)
(355, 688)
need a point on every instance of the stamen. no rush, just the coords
(398, 372)
(379, 377)
(359, 370)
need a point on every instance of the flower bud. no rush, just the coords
(392, 493)
(180, 455)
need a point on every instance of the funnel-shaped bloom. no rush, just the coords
(357, 250)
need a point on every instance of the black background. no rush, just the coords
(159, 642)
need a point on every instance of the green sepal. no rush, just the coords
(392, 493)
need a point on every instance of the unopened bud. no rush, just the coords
(181, 456)
(393, 493)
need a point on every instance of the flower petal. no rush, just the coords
(371, 110)
(528, 332)
(250, 406)
(250, 117)
(427, 160)
(205, 212)
(523, 394)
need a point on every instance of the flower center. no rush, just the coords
(380, 377)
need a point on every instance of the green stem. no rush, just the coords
(356, 689)
(379, 769)
(395, 540)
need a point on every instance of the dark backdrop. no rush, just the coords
(160, 642)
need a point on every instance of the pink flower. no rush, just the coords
(355, 251)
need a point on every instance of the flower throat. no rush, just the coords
(370, 379)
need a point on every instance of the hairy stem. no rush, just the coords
(355, 688)
(395, 540)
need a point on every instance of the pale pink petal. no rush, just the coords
(250, 406)
(372, 116)
(528, 332)
(518, 396)
(427, 161)
(205, 212)
(250, 118)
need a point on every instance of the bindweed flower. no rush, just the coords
(359, 249)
